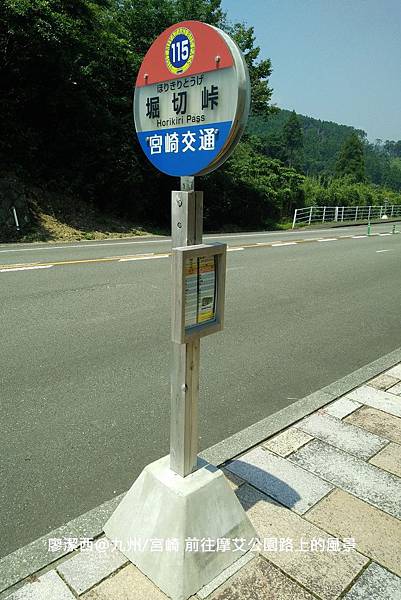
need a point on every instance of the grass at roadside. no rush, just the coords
(59, 222)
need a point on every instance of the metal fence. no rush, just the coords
(323, 214)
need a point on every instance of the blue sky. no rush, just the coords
(337, 60)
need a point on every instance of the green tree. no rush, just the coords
(251, 190)
(259, 71)
(351, 160)
(293, 140)
(208, 11)
(68, 70)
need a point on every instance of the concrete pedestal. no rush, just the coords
(164, 508)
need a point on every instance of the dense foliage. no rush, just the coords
(346, 191)
(68, 69)
(322, 144)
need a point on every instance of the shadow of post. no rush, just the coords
(270, 488)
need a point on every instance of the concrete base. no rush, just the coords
(162, 506)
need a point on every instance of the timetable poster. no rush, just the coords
(206, 293)
(200, 290)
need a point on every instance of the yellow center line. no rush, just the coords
(83, 261)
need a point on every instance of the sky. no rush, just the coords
(335, 60)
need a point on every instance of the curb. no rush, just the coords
(30, 559)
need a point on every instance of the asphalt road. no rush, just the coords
(85, 353)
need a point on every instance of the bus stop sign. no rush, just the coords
(191, 99)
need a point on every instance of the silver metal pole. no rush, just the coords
(187, 227)
(342, 214)
(356, 213)
(295, 218)
(324, 214)
(310, 215)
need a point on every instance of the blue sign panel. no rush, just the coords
(184, 150)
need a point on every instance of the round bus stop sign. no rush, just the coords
(192, 99)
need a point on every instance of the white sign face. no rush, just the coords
(204, 99)
(191, 99)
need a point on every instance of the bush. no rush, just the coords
(344, 191)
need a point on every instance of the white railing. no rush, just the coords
(322, 214)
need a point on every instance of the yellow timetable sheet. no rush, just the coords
(200, 290)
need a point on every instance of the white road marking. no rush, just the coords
(284, 244)
(358, 237)
(143, 257)
(328, 240)
(378, 251)
(383, 234)
(234, 249)
(26, 268)
(156, 241)
(136, 241)
(237, 235)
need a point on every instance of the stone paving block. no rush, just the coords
(377, 422)
(226, 574)
(127, 584)
(262, 581)
(47, 587)
(347, 437)
(377, 534)
(326, 574)
(367, 482)
(287, 442)
(395, 371)
(396, 389)
(383, 382)
(375, 583)
(341, 408)
(280, 479)
(233, 480)
(389, 459)
(389, 403)
(89, 567)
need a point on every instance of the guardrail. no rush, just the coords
(323, 214)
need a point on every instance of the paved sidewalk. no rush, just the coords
(324, 496)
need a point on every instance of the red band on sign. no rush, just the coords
(210, 54)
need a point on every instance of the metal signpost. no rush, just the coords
(191, 105)
(190, 109)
